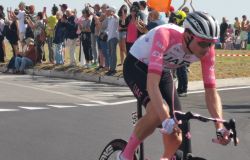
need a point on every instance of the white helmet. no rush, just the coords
(202, 25)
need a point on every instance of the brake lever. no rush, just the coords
(230, 125)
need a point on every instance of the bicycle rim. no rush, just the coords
(112, 148)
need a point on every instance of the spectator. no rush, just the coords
(51, 22)
(98, 18)
(21, 25)
(181, 72)
(64, 7)
(32, 15)
(86, 36)
(237, 40)
(28, 57)
(103, 24)
(144, 11)
(71, 36)
(2, 15)
(2, 24)
(2, 11)
(94, 34)
(244, 32)
(112, 31)
(132, 32)
(154, 21)
(122, 13)
(223, 32)
(11, 32)
(229, 38)
(59, 39)
(168, 14)
(237, 25)
(39, 34)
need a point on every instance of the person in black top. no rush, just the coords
(71, 35)
(94, 35)
(122, 13)
(223, 31)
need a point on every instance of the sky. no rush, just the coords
(217, 8)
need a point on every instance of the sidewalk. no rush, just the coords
(118, 80)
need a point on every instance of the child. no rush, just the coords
(237, 40)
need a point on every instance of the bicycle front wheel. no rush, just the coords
(112, 148)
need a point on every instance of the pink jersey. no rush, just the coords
(161, 49)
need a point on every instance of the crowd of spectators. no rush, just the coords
(236, 35)
(99, 29)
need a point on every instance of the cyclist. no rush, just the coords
(147, 73)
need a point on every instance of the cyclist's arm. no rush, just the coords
(155, 68)
(212, 97)
(214, 105)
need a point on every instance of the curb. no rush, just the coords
(94, 77)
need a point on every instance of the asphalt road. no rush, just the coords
(55, 119)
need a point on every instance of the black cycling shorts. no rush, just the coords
(135, 75)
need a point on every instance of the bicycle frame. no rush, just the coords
(229, 125)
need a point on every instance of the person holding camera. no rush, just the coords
(71, 35)
(39, 34)
(21, 23)
(122, 13)
(30, 12)
(27, 59)
(131, 21)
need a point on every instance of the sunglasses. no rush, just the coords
(203, 43)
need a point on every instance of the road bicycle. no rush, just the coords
(112, 148)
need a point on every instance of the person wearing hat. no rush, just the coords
(28, 58)
(113, 34)
(64, 7)
(71, 35)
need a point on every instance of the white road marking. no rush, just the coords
(114, 103)
(102, 103)
(62, 106)
(89, 105)
(191, 92)
(45, 90)
(220, 89)
(8, 110)
(32, 108)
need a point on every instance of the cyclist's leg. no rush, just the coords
(135, 75)
(166, 86)
(169, 94)
(171, 144)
